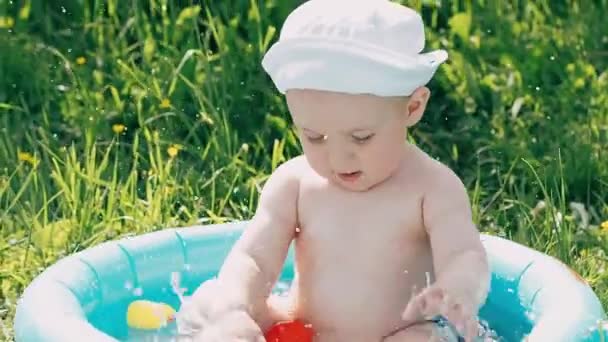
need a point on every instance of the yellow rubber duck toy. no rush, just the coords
(149, 315)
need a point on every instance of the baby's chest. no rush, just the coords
(360, 221)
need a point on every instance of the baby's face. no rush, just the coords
(355, 141)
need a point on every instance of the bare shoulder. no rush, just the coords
(280, 191)
(444, 194)
(287, 174)
(439, 178)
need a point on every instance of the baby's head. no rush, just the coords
(354, 78)
(355, 140)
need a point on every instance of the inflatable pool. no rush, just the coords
(84, 297)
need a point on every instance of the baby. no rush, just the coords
(385, 246)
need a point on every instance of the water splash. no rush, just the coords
(176, 287)
(486, 333)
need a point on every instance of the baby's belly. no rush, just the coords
(356, 300)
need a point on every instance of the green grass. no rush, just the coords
(520, 112)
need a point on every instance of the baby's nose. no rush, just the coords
(342, 159)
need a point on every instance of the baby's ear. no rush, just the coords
(416, 105)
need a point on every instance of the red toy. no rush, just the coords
(290, 331)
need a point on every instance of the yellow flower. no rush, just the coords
(27, 157)
(6, 22)
(604, 226)
(173, 150)
(570, 67)
(118, 128)
(165, 103)
(24, 12)
(81, 60)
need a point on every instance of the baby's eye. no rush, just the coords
(316, 138)
(362, 139)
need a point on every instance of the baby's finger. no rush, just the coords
(445, 306)
(472, 330)
(456, 316)
(412, 311)
(434, 303)
(413, 302)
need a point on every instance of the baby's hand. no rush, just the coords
(434, 301)
(235, 326)
(213, 315)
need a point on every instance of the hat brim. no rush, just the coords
(349, 67)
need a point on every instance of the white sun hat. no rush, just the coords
(352, 46)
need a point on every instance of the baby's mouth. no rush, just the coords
(349, 176)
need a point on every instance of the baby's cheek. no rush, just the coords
(382, 156)
(317, 160)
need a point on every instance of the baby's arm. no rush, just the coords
(254, 264)
(460, 261)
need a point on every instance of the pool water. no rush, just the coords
(167, 333)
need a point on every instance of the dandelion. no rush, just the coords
(27, 158)
(165, 103)
(589, 71)
(24, 12)
(570, 67)
(118, 128)
(173, 150)
(7, 22)
(81, 60)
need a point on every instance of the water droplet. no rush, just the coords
(297, 229)
(138, 291)
(552, 58)
(537, 88)
(63, 10)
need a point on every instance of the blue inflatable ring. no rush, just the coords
(84, 296)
